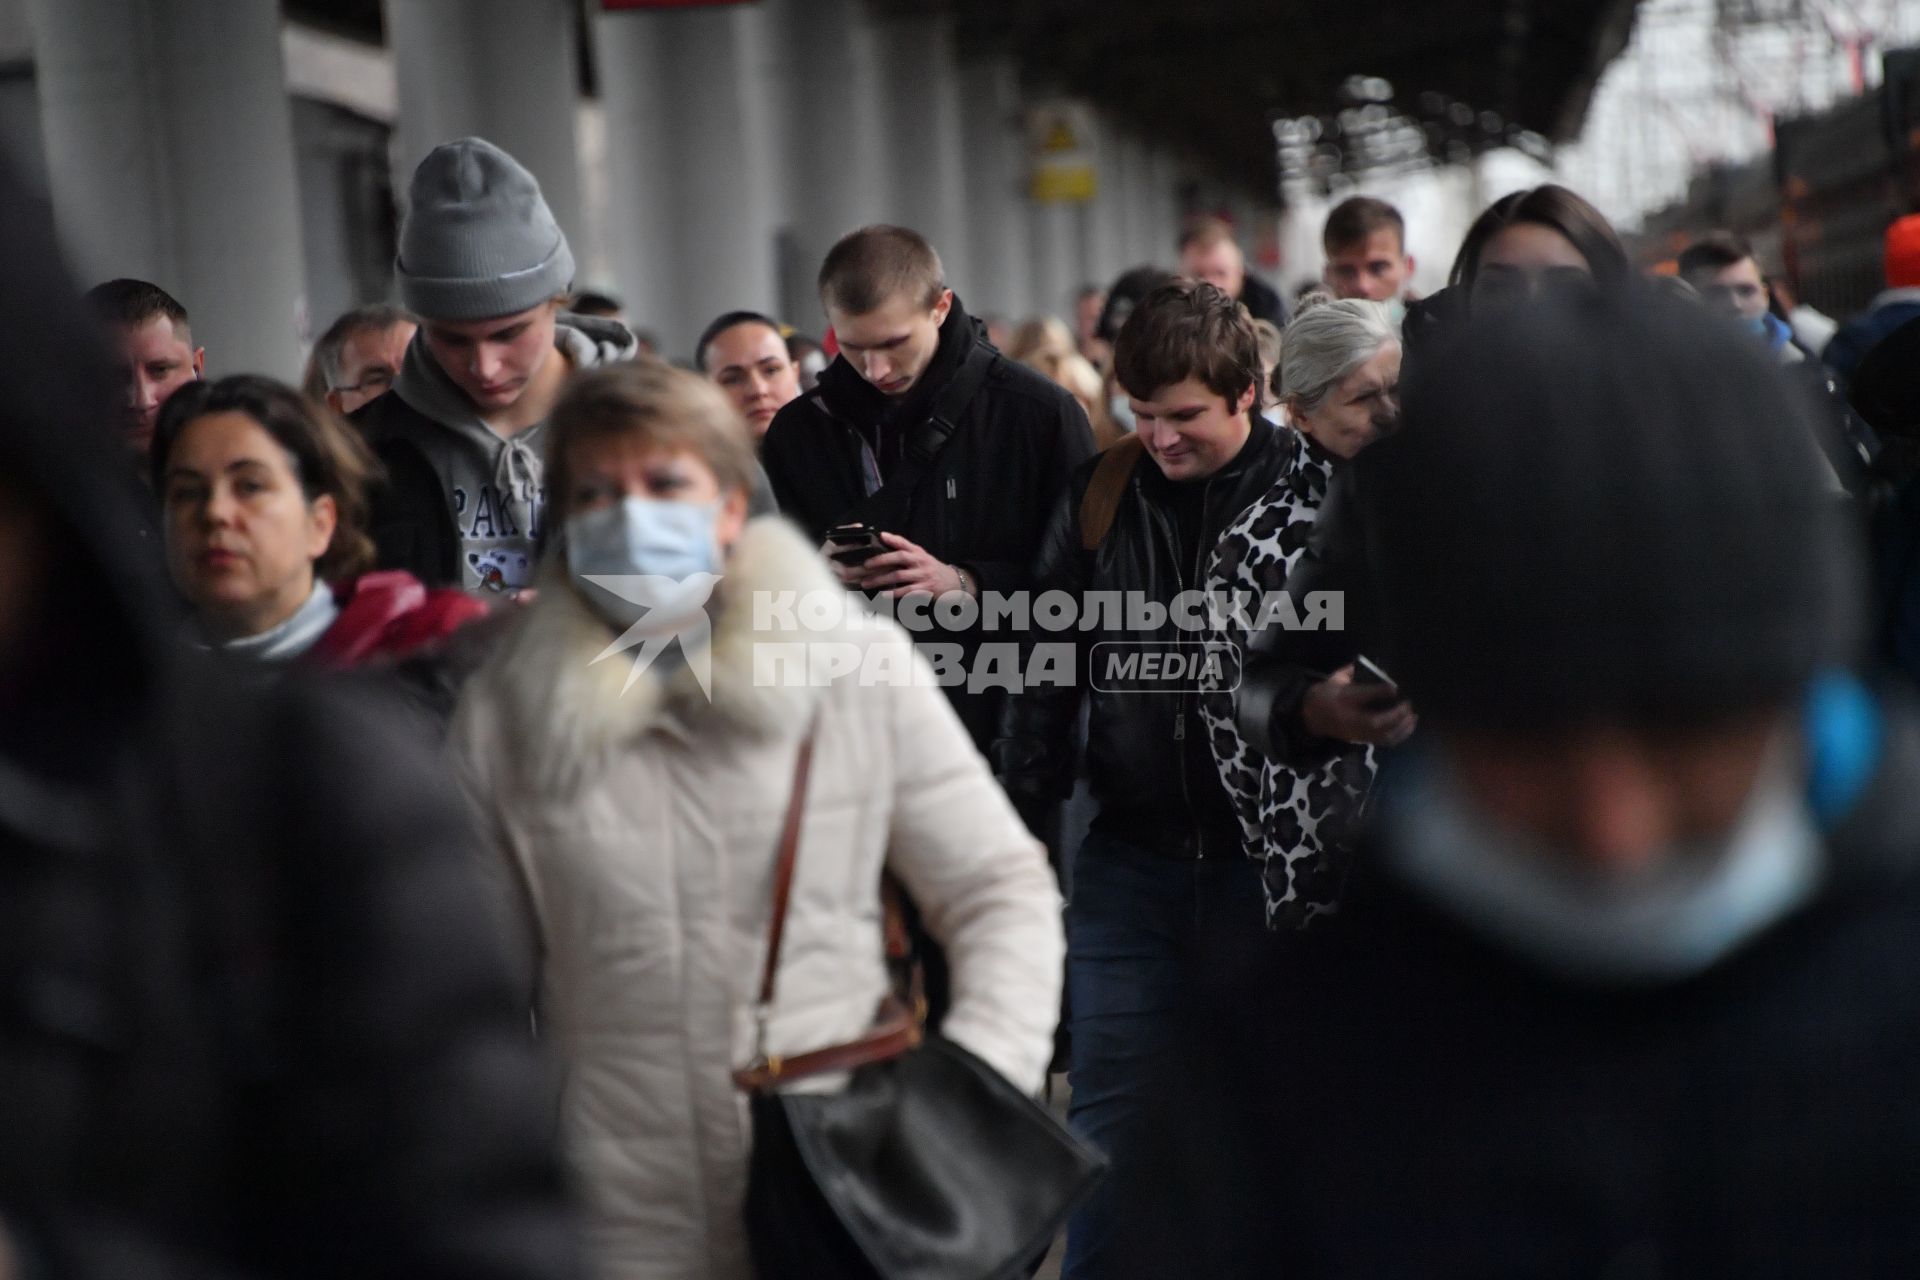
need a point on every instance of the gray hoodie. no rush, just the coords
(495, 482)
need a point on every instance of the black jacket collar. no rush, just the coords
(1261, 444)
(851, 398)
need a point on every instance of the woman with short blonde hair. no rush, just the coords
(632, 747)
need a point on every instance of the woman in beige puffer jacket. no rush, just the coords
(638, 806)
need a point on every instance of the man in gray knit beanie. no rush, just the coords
(487, 269)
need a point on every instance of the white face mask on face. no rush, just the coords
(666, 556)
(1689, 908)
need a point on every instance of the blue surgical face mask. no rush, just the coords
(1687, 909)
(676, 543)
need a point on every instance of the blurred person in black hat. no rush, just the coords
(260, 1011)
(1626, 981)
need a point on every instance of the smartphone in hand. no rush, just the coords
(1367, 672)
(854, 543)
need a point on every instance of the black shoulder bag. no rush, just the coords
(927, 1166)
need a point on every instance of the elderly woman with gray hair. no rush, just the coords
(1339, 382)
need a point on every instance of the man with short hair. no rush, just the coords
(486, 268)
(1626, 980)
(149, 333)
(1366, 246)
(923, 431)
(1164, 899)
(1209, 252)
(745, 355)
(1722, 269)
(357, 358)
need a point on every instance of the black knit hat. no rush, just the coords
(1606, 508)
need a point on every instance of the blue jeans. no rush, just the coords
(1148, 938)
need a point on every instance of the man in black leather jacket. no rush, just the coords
(1163, 899)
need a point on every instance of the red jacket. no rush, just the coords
(388, 614)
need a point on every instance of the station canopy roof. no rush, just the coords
(1218, 79)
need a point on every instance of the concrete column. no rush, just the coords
(1165, 216)
(839, 176)
(921, 84)
(1105, 250)
(504, 70)
(690, 166)
(995, 151)
(1126, 199)
(1054, 231)
(170, 158)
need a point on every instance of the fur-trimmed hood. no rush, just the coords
(570, 698)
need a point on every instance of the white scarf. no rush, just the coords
(288, 640)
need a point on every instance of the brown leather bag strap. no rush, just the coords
(896, 1029)
(783, 865)
(1101, 502)
(897, 1023)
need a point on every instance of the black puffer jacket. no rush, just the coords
(1399, 1095)
(1263, 301)
(1149, 764)
(260, 1012)
(981, 503)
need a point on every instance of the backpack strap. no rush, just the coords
(887, 507)
(1101, 502)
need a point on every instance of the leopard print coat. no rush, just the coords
(1297, 824)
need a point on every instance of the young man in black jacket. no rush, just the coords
(1163, 896)
(925, 433)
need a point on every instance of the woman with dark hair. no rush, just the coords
(263, 495)
(1546, 237)
(1534, 239)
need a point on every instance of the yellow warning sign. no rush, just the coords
(1061, 152)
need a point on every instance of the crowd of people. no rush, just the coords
(1433, 772)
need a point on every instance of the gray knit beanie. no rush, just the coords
(1607, 508)
(478, 240)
